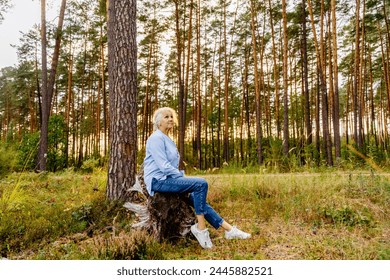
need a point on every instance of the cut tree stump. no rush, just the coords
(165, 216)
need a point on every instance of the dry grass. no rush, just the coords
(290, 216)
(299, 216)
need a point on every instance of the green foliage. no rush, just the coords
(347, 216)
(28, 151)
(8, 159)
(89, 165)
(56, 155)
(384, 254)
(12, 199)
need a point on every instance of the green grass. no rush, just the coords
(326, 215)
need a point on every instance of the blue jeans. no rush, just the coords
(197, 188)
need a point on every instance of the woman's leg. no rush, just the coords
(211, 216)
(198, 188)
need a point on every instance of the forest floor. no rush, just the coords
(327, 215)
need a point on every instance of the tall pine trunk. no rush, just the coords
(322, 82)
(275, 71)
(306, 92)
(182, 107)
(336, 103)
(122, 54)
(257, 86)
(43, 142)
(285, 82)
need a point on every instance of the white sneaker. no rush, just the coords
(235, 233)
(202, 236)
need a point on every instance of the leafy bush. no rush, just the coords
(28, 151)
(89, 164)
(56, 154)
(57, 141)
(8, 159)
(347, 216)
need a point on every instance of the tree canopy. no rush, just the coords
(254, 82)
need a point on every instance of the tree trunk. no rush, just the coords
(182, 110)
(67, 104)
(386, 56)
(199, 99)
(385, 65)
(285, 82)
(257, 87)
(122, 53)
(336, 103)
(103, 89)
(56, 55)
(247, 104)
(225, 154)
(48, 86)
(276, 72)
(322, 83)
(43, 142)
(356, 76)
(146, 102)
(306, 92)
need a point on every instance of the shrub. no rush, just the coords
(56, 153)
(89, 164)
(28, 151)
(347, 216)
(8, 159)
(57, 141)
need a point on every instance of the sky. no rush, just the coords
(20, 18)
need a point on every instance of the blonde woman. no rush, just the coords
(161, 174)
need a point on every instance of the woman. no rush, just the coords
(161, 174)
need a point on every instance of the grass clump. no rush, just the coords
(135, 246)
(49, 216)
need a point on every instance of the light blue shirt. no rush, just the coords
(161, 159)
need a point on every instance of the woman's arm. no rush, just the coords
(156, 147)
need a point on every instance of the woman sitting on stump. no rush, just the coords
(162, 175)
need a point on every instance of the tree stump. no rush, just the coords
(165, 216)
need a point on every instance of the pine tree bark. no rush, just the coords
(56, 55)
(122, 53)
(182, 108)
(356, 77)
(336, 103)
(275, 71)
(48, 84)
(285, 82)
(103, 93)
(257, 87)
(385, 56)
(199, 98)
(43, 142)
(306, 92)
(225, 154)
(322, 82)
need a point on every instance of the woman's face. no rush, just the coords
(166, 122)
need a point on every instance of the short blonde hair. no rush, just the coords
(158, 114)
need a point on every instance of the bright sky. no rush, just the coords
(20, 18)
